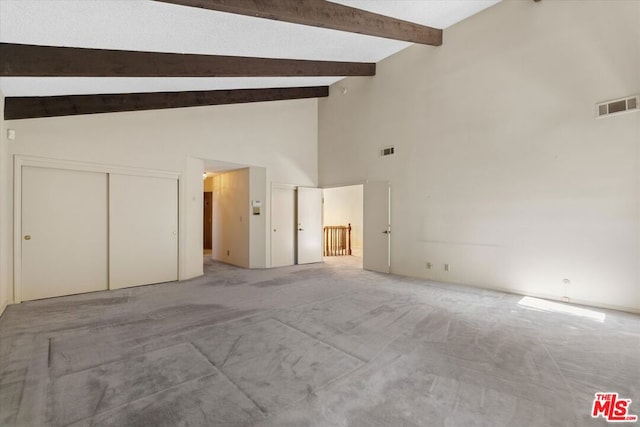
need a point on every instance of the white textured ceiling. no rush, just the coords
(152, 26)
(433, 13)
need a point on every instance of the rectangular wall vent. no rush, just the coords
(617, 106)
(387, 151)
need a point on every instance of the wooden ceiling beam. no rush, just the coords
(54, 106)
(48, 61)
(324, 14)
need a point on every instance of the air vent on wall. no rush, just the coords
(617, 106)
(387, 151)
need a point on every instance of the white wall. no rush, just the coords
(191, 219)
(257, 223)
(279, 136)
(501, 168)
(342, 206)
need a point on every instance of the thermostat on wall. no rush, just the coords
(256, 205)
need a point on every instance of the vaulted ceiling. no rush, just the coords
(328, 41)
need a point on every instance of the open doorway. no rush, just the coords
(231, 228)
(226, 223)
(238, 219)
(207, 214)
(343, 224)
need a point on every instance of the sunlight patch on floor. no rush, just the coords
(558, 307)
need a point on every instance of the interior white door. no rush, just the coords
(309, 230)
(64, 232)
(143, 230)
(283, 226)
(377, 227)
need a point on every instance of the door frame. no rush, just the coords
(48, 163)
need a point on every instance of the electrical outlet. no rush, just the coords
(429, 265)
(446, 267)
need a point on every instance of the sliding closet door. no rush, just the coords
(64, 232)
(143, 230)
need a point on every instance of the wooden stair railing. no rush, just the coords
(337, 240)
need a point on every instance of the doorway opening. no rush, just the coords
(225, 217)
(343, 220)
(207, 213)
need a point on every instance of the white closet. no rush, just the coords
(84, 231)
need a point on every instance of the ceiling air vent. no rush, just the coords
(618, 106)
(389, 151)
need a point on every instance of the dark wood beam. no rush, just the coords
(53, 106)
(49, 61)
(324, 14)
